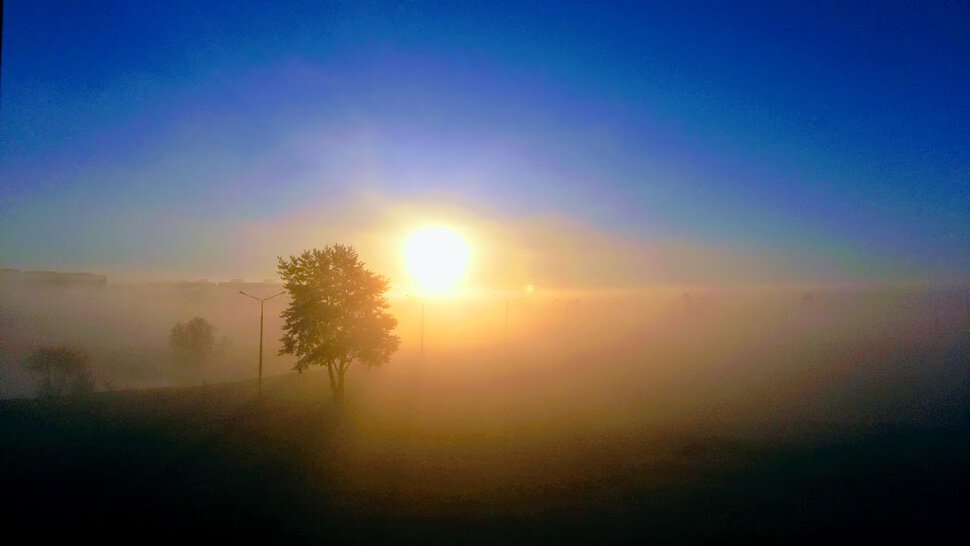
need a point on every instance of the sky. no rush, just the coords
(581, 144)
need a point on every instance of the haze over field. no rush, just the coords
(593, 272)
(782, 354)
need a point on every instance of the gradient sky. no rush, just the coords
(833, 138)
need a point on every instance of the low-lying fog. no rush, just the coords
(755, 355)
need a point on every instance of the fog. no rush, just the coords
(762, 357)
(753, 357)
(125, 328)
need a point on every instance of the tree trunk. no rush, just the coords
(333, 380)
(336, 382)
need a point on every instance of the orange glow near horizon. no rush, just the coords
(437, 258)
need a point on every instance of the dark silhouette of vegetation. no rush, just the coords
(337, 313)
(193, 344)
(63, 371)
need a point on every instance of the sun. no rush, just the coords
(437, 258)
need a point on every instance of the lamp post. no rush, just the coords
(529, 289)
(422, 329)
(261, 301)
(565, 307)
(420, 299)
(508, 302)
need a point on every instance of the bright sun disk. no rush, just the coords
(437, 257)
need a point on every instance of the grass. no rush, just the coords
(218, 462)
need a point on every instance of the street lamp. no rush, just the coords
(261, 300)
(529, 289)
(422, 323)
(565, 307)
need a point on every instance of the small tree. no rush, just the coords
(63, 371)
(193, 343)
(337, 313)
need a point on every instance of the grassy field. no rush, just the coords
(290, 466)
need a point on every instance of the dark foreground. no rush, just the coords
(214, 462)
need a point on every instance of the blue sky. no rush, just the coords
(832, 137)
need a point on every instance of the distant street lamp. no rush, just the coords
(529, 289)
(261, 300)
(422, 323)
(565, 307)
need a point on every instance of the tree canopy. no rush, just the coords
(337, 313)
(193, 345)
(193, 342)
(63, 371)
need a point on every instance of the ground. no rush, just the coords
(290, 466)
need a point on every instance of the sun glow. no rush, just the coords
(437, 258)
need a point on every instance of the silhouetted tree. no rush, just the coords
(63, 371)
(193, 343)
(337, 313)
